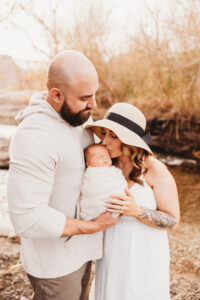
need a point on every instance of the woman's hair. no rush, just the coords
(136, 156)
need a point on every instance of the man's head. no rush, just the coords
(72, 82)
(97, 156)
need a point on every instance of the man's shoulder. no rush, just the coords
(32, 134)
(29, 130)
(85, 136)
(39, 124)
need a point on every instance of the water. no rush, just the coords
(6, 131)
(189, 195)
(172, 160)
(6, 227)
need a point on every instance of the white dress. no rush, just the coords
(135, 263)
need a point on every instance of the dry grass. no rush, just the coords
(184, 249)
(158, 72)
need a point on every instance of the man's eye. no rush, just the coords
(103, 133)
(114, 137)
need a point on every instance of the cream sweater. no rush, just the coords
(44, 182)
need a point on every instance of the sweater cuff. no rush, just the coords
(52, 224)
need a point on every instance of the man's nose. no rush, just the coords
(92, 103)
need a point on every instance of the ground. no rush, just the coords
(184, 248)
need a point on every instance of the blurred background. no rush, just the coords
(146, 53)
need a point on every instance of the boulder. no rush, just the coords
(4, 152)
(11, 102)
(10, 73)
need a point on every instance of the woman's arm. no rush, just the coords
(167, 214)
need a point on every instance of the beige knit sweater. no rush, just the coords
(44, 182)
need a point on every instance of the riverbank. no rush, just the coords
(15, 285)
(173, 133)
(186, 149)
(184, 248)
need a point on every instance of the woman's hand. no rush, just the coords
(123, 204)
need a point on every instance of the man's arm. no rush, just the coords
(74, 226)
(33, 159)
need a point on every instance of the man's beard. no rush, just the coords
(71, 118)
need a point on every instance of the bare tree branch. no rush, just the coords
(33, 44)
(9, 13)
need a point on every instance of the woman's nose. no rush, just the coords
(105, 140)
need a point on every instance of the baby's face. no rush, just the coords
(99, 157)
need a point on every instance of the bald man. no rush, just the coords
(45, 177)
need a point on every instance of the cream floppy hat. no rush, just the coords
(127, 122)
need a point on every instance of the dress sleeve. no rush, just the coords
(33, 159)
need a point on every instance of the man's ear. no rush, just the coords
(57, 97)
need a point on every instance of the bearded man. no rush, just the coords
(45, 177)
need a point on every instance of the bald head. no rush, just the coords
(69, 68)
(72, 83)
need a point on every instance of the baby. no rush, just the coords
(100, 181)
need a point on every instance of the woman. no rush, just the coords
(135, 265)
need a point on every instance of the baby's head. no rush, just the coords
(97, 156)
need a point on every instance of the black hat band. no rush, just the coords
(130, 125)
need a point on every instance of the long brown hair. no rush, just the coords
(136, 156)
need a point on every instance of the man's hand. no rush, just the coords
(75, 226)
(106, 220)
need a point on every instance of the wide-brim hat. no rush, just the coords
(127, 122)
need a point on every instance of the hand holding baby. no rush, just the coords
(106, 220)
(123, 204)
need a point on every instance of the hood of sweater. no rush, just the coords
(38, 104)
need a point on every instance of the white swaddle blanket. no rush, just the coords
(98, 184)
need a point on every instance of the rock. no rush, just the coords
(16, 97)
(10, 73)
(177, 161)
(7, 247)
(4, 155)
(11, 102)
(196, 154)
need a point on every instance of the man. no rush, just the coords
(45, 177)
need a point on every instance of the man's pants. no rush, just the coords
(74, 286)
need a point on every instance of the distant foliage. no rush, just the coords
(158, 71)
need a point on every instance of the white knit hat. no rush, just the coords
(127, 122)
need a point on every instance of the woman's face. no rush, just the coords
(112, 143)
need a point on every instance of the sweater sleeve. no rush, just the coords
(33, 160)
